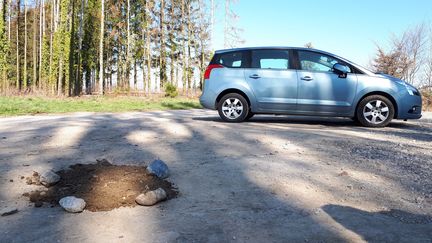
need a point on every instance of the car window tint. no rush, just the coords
(270, 59)
(312, 61)
(231, 59)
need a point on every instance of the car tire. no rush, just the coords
(250, 115)
(233, 107)
(375, 111)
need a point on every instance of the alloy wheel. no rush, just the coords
(376, 112)
(232, 108)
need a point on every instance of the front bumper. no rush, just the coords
(410, 107)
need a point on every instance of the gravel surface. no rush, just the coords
(273, 179)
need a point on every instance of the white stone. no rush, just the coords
(72, 204)
(151, 198)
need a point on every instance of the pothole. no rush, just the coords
(103, 186)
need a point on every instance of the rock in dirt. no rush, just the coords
(34, 179)
(72, 204)
(151, 198)
(8, 211)
(158, 168)
(49, 178)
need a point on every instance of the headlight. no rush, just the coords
(412, 90)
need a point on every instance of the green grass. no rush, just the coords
(23, 105)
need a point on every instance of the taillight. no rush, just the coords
(210, 68)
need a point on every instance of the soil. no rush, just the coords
(103, 186)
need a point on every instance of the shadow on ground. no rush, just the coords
(236, 181)
(383, 226)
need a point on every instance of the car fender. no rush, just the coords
(241, 86)
(389, 89)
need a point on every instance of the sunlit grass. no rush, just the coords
(22, 105)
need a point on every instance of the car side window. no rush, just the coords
(231, 59)
(270, 59)
(317, 62)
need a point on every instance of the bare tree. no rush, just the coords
(412, 44)
(427, 78)
(308, 45)
(232, 33)
(405, 56)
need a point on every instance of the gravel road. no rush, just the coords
(272, 179)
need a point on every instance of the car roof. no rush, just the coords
(278, 47)
(264, 48)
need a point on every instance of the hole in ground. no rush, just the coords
(103, 186)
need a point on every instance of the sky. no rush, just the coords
(348, 28)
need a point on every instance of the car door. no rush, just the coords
(320, 90)
(272, 81)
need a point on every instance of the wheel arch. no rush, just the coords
(228, 91)
(387, 95)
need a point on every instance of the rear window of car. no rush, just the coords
(231, 59)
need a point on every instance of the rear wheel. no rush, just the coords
(233, 107)
(375, 111)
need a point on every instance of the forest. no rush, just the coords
(75, 47)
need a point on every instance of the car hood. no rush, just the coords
(396, 80)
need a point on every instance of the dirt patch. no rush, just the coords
(103, 186)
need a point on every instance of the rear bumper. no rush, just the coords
(208, 99)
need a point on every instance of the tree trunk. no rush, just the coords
(101, 37)
(172, 36)
(183, 34)
(18, 76)
(148, 50)
(9, 20)
(51, 81)
(60, 78)
(135, 75)
(41, 35)
(25, 45)
(34, 81)
(78, 85)
(128, 44)
(3, 69)
(72, 79)
(162, 61)
(188, 46)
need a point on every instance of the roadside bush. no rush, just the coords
(171, 90)
(427, 100)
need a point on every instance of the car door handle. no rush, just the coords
(307, 78)
(255, 76)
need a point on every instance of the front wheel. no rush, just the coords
(233, 107)
(375, 111)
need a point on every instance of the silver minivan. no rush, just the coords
(240, 83)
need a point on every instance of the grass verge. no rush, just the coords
(23, 105)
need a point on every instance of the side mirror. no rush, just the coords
(341, 70)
